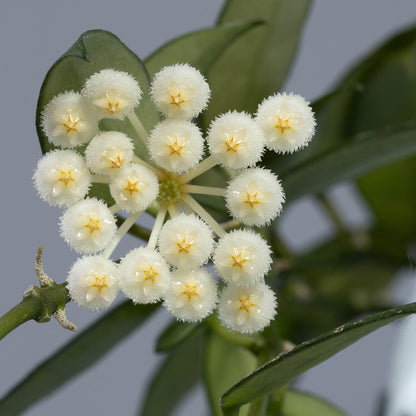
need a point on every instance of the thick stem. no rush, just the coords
(203, 190)
(38, 304)
(205, 165)
(26, 310)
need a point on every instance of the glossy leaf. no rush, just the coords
(175, 377)
(358, 156)
(298, 403)
(288, 365)
(75, 357)
(224, 364)
(199, 49)
(174, 334)
(256, 65)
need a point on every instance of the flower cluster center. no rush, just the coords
(169, 191)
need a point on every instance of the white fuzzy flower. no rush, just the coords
(108, 152)
(242, 257)
(186, 241)
(235, 140)
(134, 188)
(287, 121)
(68, 121)
(192, 295)
(62, 177)
(88, 226)
(180, 91)
(176, 145)
(93, 282)
(255, 196)
(247, 309)
(144, 275)
(113, 93)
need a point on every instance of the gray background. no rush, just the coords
(33, 34)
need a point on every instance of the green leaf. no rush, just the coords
(298, 403)
(288, 365)
(358, 156)
(224, 365)
(199, 49)
(76, 356)
(93, 51)
(176, 376)
(256, 65)
(174, 334)
(391, 195)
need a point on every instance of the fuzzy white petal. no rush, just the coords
(186, 241)
(93, 282)
(242, 257)
(235, 140)
(247, 309)
(287, 121)
(68, 121)
(108, 152)
(180, 91)
(134, 188)
(192, 295)
(255, 197)
(176, 145)
(62, 178)
(113, 93)
(88, 226)
(144, 275)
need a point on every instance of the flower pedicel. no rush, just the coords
(184, 236)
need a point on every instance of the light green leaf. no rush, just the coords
(356, 157)
(224, 365)
(288, 365)
(199, 49)
(93, 51)
(75, 357)
(256, 65)
(298, 403)
(176, 376)
(174, 334)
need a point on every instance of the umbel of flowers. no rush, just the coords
(184, 237)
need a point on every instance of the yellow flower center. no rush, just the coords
(99, 282)
(232, 144)
(116, 161)
(252, 199)
(239, 259)
(283, 123)
(71, 123)
(93, 225)
(176, 99)
(190, 291)
(132, 186)
(66, 177)
(150, 274)
(175, 147)
(245, 304)
(113, 102)
(184, 245)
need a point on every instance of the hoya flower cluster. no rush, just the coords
(184, 237)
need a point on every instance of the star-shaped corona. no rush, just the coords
(185, 236)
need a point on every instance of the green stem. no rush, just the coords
(24, 311)
(38, 304)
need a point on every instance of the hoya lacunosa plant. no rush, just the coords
(191, 262)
